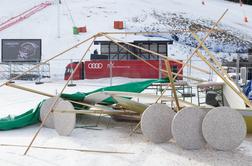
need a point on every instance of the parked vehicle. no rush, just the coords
(123, 68)
(113, 61)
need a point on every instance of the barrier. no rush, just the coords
(82, 29)
(118, 24)
(75, 31)
(23, 16)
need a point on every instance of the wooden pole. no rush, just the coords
(18, 76)
(185, 76)
(160, 55)
(210, 54)
(73, 149)
(49, 95)
(28, 89)
(196, 50)
(214, 60)
(170, 76)
(135, 128)
(57, 98)
(226, 80)
(147, 95)
(192, 78)
(154, 33)
(96, 112)
(202, 42)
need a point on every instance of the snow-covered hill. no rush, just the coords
(98, 16)
(144, 15)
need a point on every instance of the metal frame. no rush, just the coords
(13, 69)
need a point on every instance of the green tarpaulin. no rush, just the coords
(28, 118)
(32, 116)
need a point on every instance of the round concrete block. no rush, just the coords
(156, 123)
(224, 128)
(46, 106)
(187, 128)
(64, 122)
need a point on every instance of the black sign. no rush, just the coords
(21, 50)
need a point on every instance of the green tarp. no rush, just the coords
(136, 87)
(32, 116)
(28, 118)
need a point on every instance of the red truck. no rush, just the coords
(116, 62)
(123, 68)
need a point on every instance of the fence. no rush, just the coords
(10, 70)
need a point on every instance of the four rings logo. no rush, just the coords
(95, 65)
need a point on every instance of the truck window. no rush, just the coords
(162, 49)
(69, 70)
(174, 68)
(104, 49)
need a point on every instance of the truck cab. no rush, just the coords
(79, 73)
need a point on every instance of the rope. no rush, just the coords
(69, 11)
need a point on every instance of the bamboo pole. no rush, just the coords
(147, 95)
(214, 60)
(72, 149)
(184, 76)
(202, 42)
(211, 55)
(170, 76)
(154, 33)
(221, 75)
(57, 98)
(96, 112)
(196, 50)
(28, 89)
(63, 52)
(192, 78)
(160, 55)
(135, 128)
(50, 95)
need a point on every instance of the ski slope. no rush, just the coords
(98, 16)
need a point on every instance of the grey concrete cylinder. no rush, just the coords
(64, 122)
(224, 128)
(45, 108)
(187, 128)
(156, 123)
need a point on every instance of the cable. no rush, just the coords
(69, 11)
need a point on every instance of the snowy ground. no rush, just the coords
(98, 16)
(114, 138)
(109, 136)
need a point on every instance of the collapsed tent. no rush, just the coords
(32, 116)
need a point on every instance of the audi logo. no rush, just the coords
(95, 65)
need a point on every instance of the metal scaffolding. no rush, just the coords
(10, 70)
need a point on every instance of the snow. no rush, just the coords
(114, 138)
(98, 16)
(108, 136)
